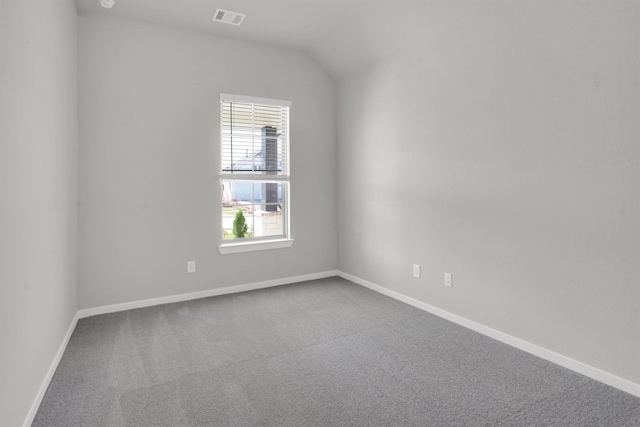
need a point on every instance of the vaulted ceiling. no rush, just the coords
(341, 35)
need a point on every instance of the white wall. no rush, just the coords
(38, 194)
(149, 160)
(505, 149)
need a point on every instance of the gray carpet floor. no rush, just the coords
(319, 353)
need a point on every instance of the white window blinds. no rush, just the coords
(254, 136)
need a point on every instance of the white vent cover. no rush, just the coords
(228, 17)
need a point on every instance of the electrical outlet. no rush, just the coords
(191, 266)
(448, 280)
(416, 270)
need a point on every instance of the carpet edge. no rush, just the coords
(33, 410)
(541, 352)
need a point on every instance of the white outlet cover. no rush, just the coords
(191, 266)
(448, 281)
(416, 270)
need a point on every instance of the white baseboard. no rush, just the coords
(52, 369)
(87, 312)
(543, 353)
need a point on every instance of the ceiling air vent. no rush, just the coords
(228, 17)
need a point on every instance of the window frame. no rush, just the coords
(251, 244)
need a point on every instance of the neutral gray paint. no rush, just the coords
(342, 35)
(298, 25)
(505, 151)
(38, 194)
(507, 129)
(149, 160)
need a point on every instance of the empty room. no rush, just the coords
(319, 213)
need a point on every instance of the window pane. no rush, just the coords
(232, 229)
(261, 204)
(267, 192)
(270, 224)
(254, 138)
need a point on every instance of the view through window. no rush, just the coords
(255, 167)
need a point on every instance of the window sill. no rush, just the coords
(234, 248)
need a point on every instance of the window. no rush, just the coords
(254, 139)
